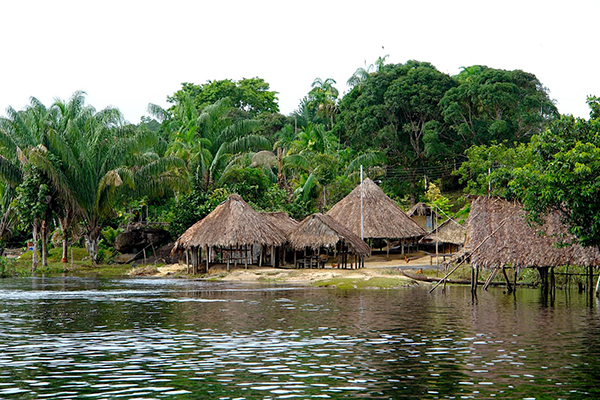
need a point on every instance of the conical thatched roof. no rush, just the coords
(382, 217)
(281, 220)
(448, 232)
(233, 223)
(319, 230)
(515, 242)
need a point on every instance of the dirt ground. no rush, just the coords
(375, 266)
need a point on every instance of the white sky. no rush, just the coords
(128, 53)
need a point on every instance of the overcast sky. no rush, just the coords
(129, 53)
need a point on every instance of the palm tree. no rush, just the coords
(323, 98)
(361, 74)
(209, 139)
(20, 131)
(94, 157)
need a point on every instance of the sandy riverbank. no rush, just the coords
(378, 268)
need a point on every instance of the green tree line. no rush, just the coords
(68, 170)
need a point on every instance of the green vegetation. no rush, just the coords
(79, 175)
(81, 265)
(371, 283)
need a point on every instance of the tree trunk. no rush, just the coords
(44, 231)
(34, 255)
(92, 242)
(65, 227)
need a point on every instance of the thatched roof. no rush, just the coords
(281, 220)
(319, 230)
(232, 223)
(420, 209)
(448, 232)
(382, 217)
(515, 242)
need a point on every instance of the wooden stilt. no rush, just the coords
(491, 277)
(187, 261)
(207, 258)
(509, 288)
(273, 257)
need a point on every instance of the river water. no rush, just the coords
(70, 337)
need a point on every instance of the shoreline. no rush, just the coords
(379, 272)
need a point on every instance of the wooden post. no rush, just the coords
(187, 261)
(207, 257)
(509, 288)
(273, 256)
(590, 284)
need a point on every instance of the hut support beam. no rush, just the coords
(273, 256)
(207, 257)
(509, 288)
(474, 279)
(187, 261)
(491, 277)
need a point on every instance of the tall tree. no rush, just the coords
(322, 100)
(394, 111)
(20, 131)
(251, 95)
(94, 157)
(492, 105)
(207, 139)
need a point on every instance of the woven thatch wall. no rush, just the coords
(449, 232)
(281, 220)
(382, 217)
(233, 223)
(516, 243)
(319, 230)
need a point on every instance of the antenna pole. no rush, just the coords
(362, 217)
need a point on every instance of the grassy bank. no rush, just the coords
(80, 264)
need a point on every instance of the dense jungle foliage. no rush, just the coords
(74, 174)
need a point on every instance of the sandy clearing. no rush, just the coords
(375, 266)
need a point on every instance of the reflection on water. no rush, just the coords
(150, 339)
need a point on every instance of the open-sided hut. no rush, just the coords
(498, 235)
(382, 218)
(231, 233)
(318, 231)
(423, 215)
(450, 235)
(287, 224)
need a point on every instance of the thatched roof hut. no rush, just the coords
(383, 219)
(317, 231)
(424, 215)
(448, 232)
(281, 220)
(499, 235)
(420, 209)
(232, 223)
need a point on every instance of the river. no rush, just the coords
(73, 337)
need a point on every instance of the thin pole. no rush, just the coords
(362, 217)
